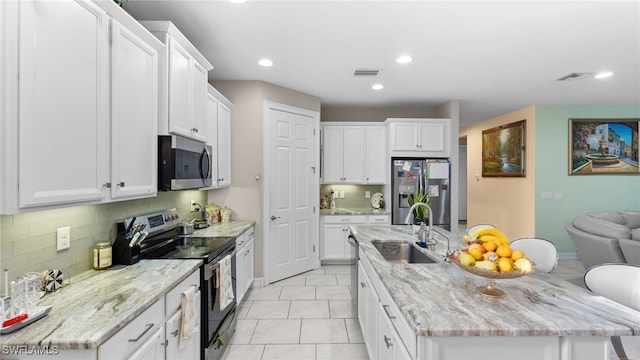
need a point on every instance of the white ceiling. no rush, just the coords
(495, 57)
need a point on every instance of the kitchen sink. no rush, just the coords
(402, 252)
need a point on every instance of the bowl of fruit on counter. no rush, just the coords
(488, 254)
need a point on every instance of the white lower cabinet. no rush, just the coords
(367, 309)
(389, 344)
(150, 336)
(334, 234)
(131, 338)
(386, 334)
(152, 349)
(244, 263)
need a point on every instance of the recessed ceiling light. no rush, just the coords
(377, 86)
(603, 75)
(265, 62)
(404, 59)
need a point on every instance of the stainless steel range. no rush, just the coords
(163, 242)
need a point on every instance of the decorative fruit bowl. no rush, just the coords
(490, 275)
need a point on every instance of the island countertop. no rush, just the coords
(98, 303)
(441, 299)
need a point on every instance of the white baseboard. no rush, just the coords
(257, 283)
(569, 256)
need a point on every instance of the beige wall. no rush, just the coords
(244, 196)
(508, 203)
(374, 114)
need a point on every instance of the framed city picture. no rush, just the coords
(603, 146)
(503, 150)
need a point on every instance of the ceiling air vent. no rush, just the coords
(366, 72)
(572, 76)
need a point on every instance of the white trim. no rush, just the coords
(569, 256)
(268, 105)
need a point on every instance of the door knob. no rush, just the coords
(273, 217)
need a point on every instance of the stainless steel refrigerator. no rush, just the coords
(432, 175)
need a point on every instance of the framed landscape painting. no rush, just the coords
(603, 146)
(503, 150)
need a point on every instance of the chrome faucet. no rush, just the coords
(422, 229)
(429, 229)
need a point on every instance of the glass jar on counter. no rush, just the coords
(102, 255)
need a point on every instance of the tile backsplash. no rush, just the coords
(354, 195)
(28, 241)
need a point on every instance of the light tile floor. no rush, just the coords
(308, 316)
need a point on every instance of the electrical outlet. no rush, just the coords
(193, 206)
(341, 194)
(63, 238)
(367, 194)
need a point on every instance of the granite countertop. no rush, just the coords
(441, 299)
(230, 229)
(98, 303)
(354, 211)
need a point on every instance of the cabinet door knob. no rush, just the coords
(121, 184)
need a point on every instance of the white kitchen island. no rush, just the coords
(435, 312)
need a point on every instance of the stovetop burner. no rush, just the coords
(164, 242)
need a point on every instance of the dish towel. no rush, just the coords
(190, 322)
(226, 285)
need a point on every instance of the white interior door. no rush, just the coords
(291, 245)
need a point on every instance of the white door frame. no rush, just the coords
(266, 210)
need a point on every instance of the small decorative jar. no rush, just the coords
(102, 255)
(225, 215)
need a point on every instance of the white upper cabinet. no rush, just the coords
(63, 102)
(355, 154)
(80, 96)
(376, 160)
(419, 137)
(343, 154)
(219, 132)
(183, 83)
(224, 144)
(134, 113)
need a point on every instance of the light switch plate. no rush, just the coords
(367, 194)
(341, 194)
(63, 238)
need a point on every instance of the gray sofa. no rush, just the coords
(606, 237)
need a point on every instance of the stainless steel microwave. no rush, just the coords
(183, 163)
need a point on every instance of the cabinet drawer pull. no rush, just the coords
(388, 341)
(174, 333)
(386, 309)
(149, 327)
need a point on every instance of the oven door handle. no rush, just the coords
(216, 265)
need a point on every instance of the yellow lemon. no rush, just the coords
(476, 253)
(505, 264)
(504, 251)
(517, 254)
